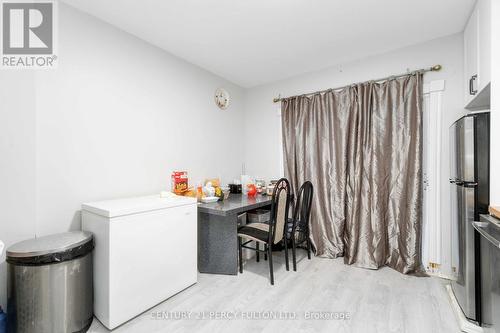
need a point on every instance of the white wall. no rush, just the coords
(262, 134)
(114, 119)
(118, 115)
(17, 162)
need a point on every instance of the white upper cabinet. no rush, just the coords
(471, 58)
(477, 56)
(484, 61)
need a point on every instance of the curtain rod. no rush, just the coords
(434, 68)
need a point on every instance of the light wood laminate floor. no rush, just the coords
(374, 301)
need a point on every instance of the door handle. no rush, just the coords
(472, 91)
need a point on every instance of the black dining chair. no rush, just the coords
(298, 225)
(268, 233)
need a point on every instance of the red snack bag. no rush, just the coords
(179, 182)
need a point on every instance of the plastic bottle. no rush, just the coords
(3, 321)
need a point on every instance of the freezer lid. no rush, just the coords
(127, 206)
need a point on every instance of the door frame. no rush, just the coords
(436, 225)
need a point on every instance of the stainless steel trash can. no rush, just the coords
(49, 286)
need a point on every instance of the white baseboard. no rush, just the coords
(465, 325)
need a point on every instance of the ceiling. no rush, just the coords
(252, 42)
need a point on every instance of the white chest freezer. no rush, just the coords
(145, 252)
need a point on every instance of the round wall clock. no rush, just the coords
(222, 98)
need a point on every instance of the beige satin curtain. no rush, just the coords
(361, 147)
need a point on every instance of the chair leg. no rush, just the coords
(270, 254)
(240, 254)
(293, 254)
(308, 248)
(257, 248)
(286, 254)
(265, 253)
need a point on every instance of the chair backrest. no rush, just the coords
(279, 210)
(303, 206)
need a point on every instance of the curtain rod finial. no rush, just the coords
(436, 68)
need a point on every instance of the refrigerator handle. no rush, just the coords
(481, 228)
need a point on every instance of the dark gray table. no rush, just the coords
(217, 232)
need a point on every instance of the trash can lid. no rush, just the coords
(49, 245)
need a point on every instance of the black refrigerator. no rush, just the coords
(469, 185)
